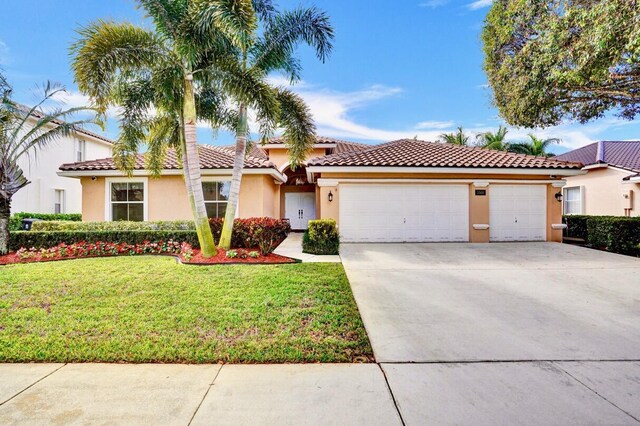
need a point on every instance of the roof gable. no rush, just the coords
(623, 154)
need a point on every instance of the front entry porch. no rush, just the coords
(298, 199)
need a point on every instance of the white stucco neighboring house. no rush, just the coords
(48, 192)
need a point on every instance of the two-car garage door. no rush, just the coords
(404, 213)
(438, 213)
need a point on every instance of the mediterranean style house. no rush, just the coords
(401, 191)
(611, 185)
(48, 192)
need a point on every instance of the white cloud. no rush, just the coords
(433, 3)
(479, 4)
(4, 53)
(435, 125)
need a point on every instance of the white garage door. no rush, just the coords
(518, 212)
(404, 213)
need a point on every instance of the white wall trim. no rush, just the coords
(481, 184)
(107, 195)
(440, 170)
(480, 226)
(171, 172)
(325, 182)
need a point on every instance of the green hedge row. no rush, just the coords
(612, 233)
(263, 233)
(16, 219)
(322, 238)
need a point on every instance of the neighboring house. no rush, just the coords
(611, 185)
(406, 190)
(48, 192)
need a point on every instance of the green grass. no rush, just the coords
(151, 309)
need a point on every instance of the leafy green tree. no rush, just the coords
(496, 141)
(563, 59)
(535, 146)
(166, 79)
(457, 138)
(24, 131)
(265, 50)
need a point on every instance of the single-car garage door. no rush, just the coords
(404, 213)
(518, 212)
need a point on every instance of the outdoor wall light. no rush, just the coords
(559, 197)
(330, 196)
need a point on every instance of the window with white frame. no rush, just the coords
(81, 149)
(58, 201)
(572, 200)
(216, 197)
(127, 201)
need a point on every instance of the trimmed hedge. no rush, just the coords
(321, 238)
(177, 225)
(16, 219)
(617, 234)
(576, 226)
(264, 233)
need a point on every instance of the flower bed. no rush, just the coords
(184, 251)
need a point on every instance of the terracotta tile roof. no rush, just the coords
(414, 153)
(344, 146)
(211, 157)
(623, 154)
(319, 140)
(256, 151)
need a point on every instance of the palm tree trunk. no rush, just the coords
(192, 163)
(185, 167)
(5, 213)
(234, 192)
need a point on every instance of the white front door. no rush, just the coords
(300, 208)
(404, 213)
(518, 212)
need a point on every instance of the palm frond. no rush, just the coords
(236, 19)
(265, 10)
(163, 133)
(299, 128)
(105, 49)
(167, 15)
(286, 30)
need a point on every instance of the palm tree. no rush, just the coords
(23, 131)
(165, 80)
(271, 49)
(495, 141)
(536, 146)
(457, 138)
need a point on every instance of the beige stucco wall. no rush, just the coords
(280, 156)
(167, 198)
(603, 189)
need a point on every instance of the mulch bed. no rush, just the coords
(197, 259)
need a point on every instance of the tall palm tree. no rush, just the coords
(24, 131)
(496, 141)
(263, 51)
(535, 146)
(166, 79)
(457, 138)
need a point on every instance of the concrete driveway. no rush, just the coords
(486, 333)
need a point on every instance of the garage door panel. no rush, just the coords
(404, 213)
(518, 212)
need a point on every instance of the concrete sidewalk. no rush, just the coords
(341, 394)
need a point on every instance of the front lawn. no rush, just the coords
(151, 309)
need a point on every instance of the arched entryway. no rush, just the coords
(298, 198)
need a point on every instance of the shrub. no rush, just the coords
(576, 226)
(263, 233)
(41, 239)
(321, 238)
(176, 225)
(616, 234)
(16, 219)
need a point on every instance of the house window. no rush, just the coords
(216, 197)
(127, 201)
(81, 148)
(572, 200)
(58, 201)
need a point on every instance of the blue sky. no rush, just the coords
(399, 69)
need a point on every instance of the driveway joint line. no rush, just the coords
(505, 361)
(595, 392)
(205, 395)
(393, 397)
(32, 384)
